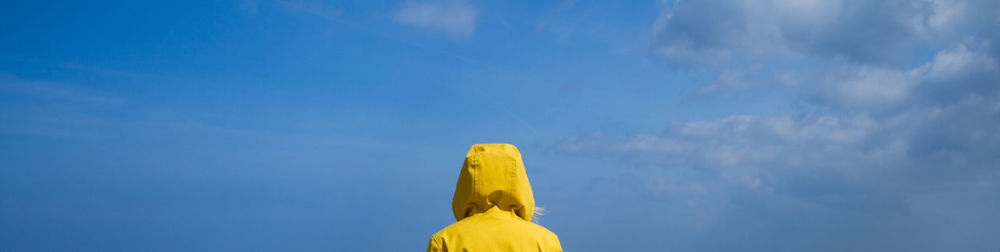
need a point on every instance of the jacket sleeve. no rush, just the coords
(435, 244)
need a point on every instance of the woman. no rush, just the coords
(493, 206)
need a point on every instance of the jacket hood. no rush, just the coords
(493, 176)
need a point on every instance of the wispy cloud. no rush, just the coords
(457, 19)
(58, 93)
(316, 8)
(50, 108)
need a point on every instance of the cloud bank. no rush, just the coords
(879, 156)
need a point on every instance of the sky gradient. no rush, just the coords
(302, 125)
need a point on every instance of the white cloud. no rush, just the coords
(871, 115)
(757, 141)
(716, 32)
(952, 74)
(455, 18)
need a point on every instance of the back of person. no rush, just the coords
(493, 206)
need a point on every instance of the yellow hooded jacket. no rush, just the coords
(493, 205)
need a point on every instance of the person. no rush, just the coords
(493, 206)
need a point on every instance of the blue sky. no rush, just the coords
(645, 126)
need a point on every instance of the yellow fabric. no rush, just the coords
(493, 206)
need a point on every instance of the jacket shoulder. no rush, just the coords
(550, 237)
(436, 244)
(476, 232)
